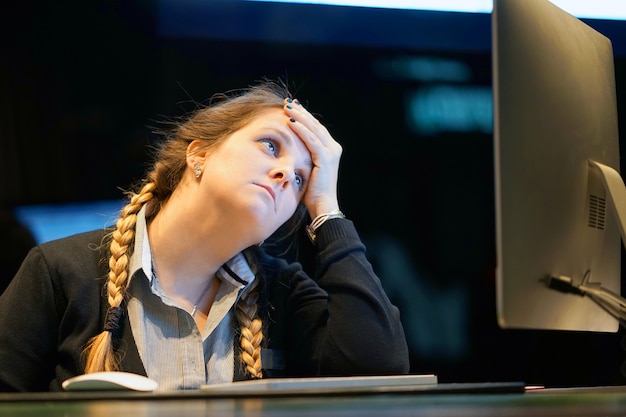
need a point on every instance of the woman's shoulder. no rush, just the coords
(78, 240)
(82, 251)
(71, 268)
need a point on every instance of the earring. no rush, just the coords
(197, 170)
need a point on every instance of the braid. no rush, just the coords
(99, 350)
(251, 328)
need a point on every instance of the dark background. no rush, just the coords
(83, 83)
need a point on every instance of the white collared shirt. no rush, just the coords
(173, 350)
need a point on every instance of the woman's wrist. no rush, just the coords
(319, 220)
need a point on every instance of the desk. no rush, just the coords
(605, 401)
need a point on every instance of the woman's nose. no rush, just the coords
(282, 176)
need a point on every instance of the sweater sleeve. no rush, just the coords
(28, 328)
(342, 321)
(50, 309)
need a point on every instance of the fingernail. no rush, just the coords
(288, 106)
(292, 120)
(296, 101)
(290, 100)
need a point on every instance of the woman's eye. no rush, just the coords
(270, 145)
(299, 181)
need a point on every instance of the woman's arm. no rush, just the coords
(49, 311)
(342, 322)
(28, 328)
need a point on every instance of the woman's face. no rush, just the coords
(258, 175)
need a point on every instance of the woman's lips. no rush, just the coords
(269, 190)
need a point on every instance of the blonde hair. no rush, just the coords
(212, 124)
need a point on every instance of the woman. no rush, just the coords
(182, 291)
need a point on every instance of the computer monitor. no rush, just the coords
(558, 191)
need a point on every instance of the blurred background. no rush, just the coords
(406, 92)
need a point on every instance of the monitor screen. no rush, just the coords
(555, 116)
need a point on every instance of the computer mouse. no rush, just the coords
(110, 381)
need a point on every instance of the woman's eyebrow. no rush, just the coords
(280, 134)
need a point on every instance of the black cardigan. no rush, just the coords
(340, 323)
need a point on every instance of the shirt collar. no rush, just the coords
(237, 271)
(141, 257)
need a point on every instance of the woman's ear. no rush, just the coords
(196, 156)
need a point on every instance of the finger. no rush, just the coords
(297, 111)
(307, 124)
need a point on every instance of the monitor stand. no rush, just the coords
(613, 303)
